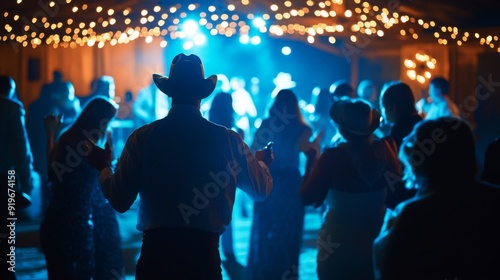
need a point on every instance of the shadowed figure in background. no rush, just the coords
(103, 86)
(79, 233)
(491, 170)
(322, 122)
(351, 178)
(185, 170)
(341, 89)
(449, 230)
(55, 98)
(441, 105)
(397, 105)
(243, 105)
(368, 92)
(150, 105)
(277, 227)
(15, 168)
(221, 112)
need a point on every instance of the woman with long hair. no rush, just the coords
(79, 233)
(276, 235)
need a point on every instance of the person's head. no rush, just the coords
(129, 96)
(223, 83)
(284, 81)
(105, 86)
(186, 82)
(237, 82)
(95, 117)
(439, 153)
(492, 163)
(397, 102)
(367, 91)
(341, 89)
(67, 95)
(7, 86)
(438, 88)
(323, 103)
(221, 111)
(286, 103)
(355, 119)
(57, 76)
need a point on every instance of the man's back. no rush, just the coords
(187, 170)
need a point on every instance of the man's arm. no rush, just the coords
(253, 175)
(315, 186)
(122, 187)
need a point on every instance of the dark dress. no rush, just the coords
(79, 234)
(277, 228)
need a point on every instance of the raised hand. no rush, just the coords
(265, 155)
(53, 124)
(97, 157)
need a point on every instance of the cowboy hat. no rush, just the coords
(355, 116)
(186, 79)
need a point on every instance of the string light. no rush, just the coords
(361, 19)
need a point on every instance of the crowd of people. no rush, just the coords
(398, 182)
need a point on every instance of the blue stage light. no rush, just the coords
(255, 40)
(187, 45)
(259, 22)
(286, 50)
(190, 27)
(200, 39)
(244, 39)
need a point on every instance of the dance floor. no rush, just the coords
(30, 263)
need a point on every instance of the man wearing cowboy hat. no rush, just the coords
(185, 170)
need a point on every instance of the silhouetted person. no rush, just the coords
(222, 113)
(351, 177)
(397, 105)
(368, 92)
(243, 105)
(341, 89)
(150, 105)
(79, 234)
(398, 110)
(278, 222)
(16, 171)
(55, 98)
(441, 105)
(103, 86)
(450, 229)
(282, 81)
(185, 170)
(322, 122)
(491, 168)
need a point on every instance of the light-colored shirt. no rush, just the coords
(442, 108)
(151, 105)
(185, 170)
(243, 103)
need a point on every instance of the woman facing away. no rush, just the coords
(398, 110)
(79, 233)
(352, 178)
(276, 235)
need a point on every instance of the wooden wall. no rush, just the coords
(130, 65)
